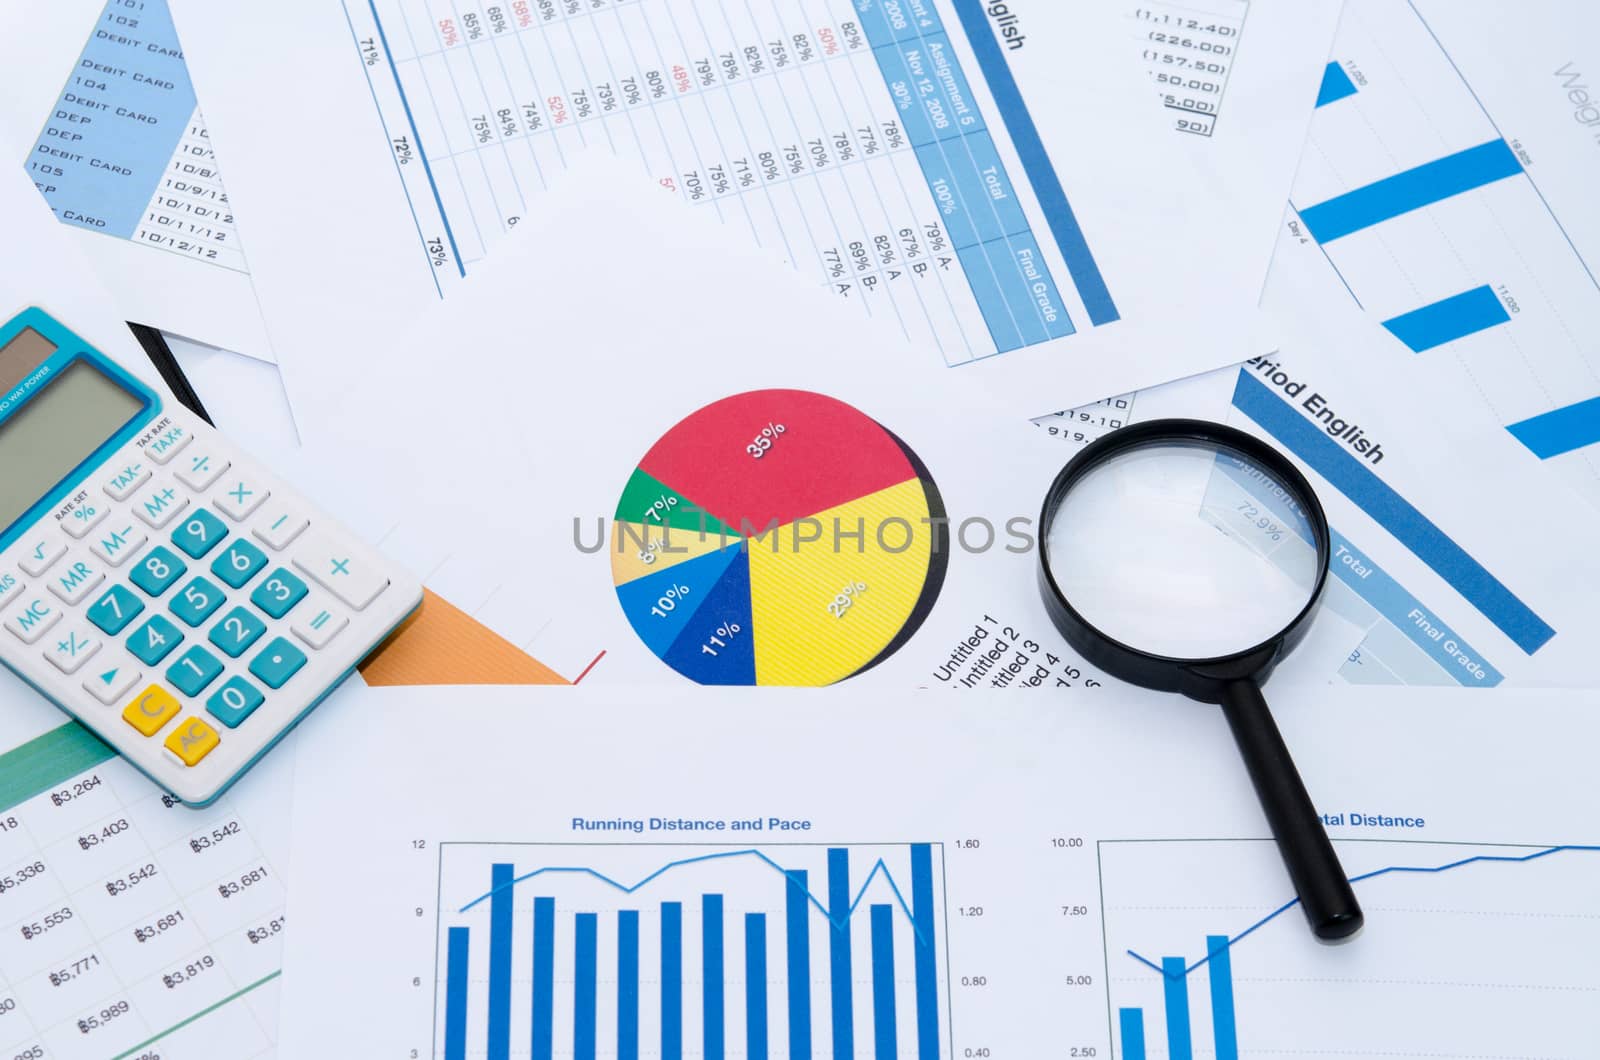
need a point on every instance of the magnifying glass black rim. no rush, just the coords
(1201, 678)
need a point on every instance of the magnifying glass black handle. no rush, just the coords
(1325, 893)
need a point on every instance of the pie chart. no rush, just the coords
(778, 537)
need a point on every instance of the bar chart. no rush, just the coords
(630, 950)
(1208, 954)
(1422, 189)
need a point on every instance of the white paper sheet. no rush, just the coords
(503, 483)
(101, 109)
(1448, 183)
(445, 127)
(1037, 856)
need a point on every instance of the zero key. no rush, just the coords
(331, 565)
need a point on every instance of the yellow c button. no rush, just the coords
(150, 710)
(192, 740)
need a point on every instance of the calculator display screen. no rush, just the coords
(59, 428)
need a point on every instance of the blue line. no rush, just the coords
(1036, 163)
(405, 103)
(1490, 118)
(1560, 430)
(1336, 85)
(1411, 190)
(1509, 859)
(1394, 513)
(878, 867)
(416, 223)
(1448, 319)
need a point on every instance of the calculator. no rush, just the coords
(155, 582)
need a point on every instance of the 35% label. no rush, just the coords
(763, 441)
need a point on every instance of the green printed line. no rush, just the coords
(236, 995)
(50, 760)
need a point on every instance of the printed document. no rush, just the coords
(1008, 199)
(642, 872)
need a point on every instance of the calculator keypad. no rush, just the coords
(175, 590)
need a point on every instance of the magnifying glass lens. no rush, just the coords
(1184, 549)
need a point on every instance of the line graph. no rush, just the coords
(878, 867)
(682, 931)
(1468, 950)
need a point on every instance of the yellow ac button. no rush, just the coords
(192, 740)
(150, 710)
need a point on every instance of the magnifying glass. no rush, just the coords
(1189, 557)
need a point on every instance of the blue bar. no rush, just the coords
(798, 943)
(1448, 319)
(627, 984)
(1036, 163)
(1394, 513)
(906, 96)
(883, 1029)
(544, 978)
(1223, 1028)
(584, 968)
(455, 995)
(1175, 980)
(939, 87)
(844, 1026)
(981, 277)
(1462, 662)
(1561, 430)
(712, 1011)
(1029, 291)
(991, 192)
(755, 986)
(671, 981)
(1336, 85)
(1415, 188)
(927, 960)
(1132, 1020)
(953, 212)
(874, 23)
(500, 876)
